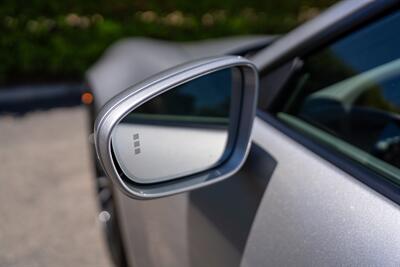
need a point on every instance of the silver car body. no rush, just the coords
(292, 204)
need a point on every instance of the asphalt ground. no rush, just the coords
(48, 209)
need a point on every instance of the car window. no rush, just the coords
(347, 96)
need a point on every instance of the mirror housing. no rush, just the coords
(117, 142)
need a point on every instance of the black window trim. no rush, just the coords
(354, 168)
(321, 42)
(349, 165)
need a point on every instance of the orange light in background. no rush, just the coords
(87, 98)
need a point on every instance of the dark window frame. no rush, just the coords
(354, 168)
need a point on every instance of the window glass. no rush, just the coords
(348, 96)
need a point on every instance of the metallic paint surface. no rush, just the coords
(197, 228)
(131, 60)
(185, 229)
(119, 106)
(311, 214)
(314, 214)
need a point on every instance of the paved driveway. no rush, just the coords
(48, 211)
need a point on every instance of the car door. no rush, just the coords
(333, 196)
(320, 185)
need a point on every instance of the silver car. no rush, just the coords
(254, 150)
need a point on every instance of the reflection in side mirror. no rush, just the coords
(181, 130)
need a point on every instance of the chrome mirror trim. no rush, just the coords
(119, 106)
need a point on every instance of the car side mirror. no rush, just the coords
(182, 129)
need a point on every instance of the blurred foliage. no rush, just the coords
(53, 40)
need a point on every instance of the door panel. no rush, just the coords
(207, 226)
(291, 209)
(157, 232)
(314, 214)
(230, 206)
(286, 207)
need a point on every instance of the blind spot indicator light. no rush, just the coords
(136, 143)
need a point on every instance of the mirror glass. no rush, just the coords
(180, 132)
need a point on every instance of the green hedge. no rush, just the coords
(59, 40)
